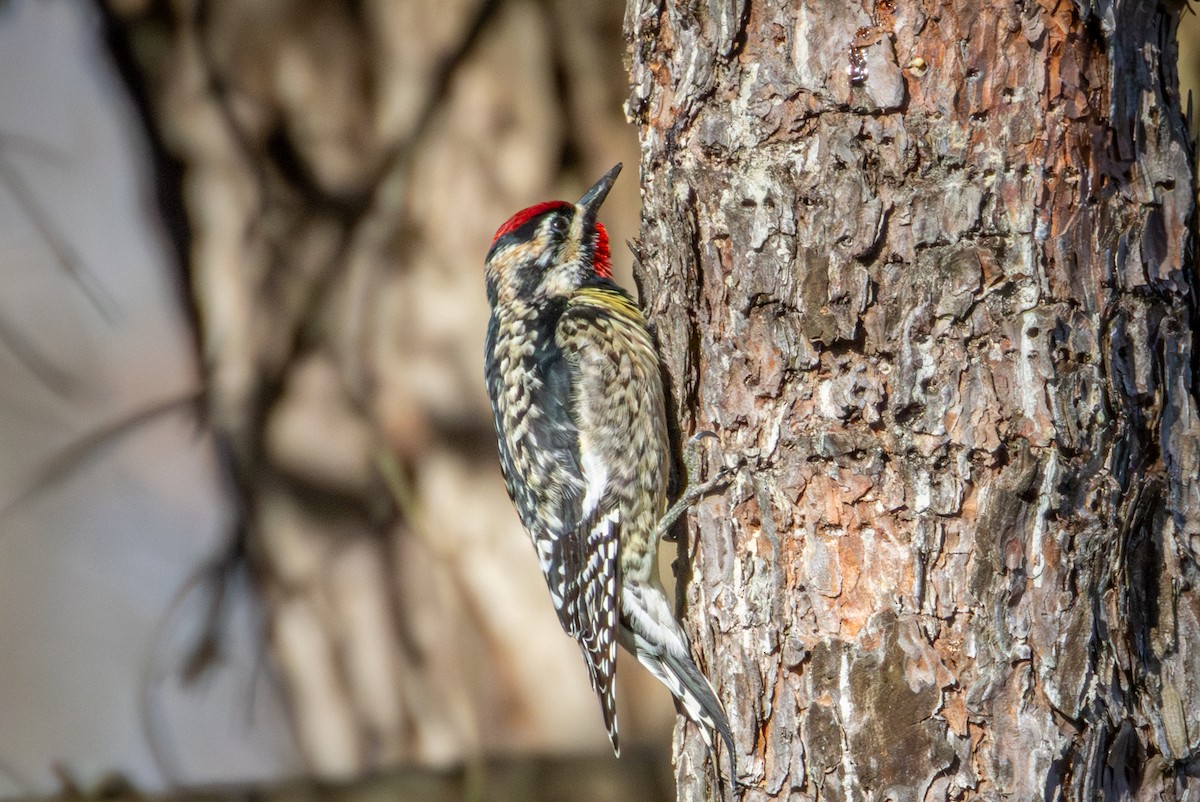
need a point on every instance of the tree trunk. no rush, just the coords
(928, 267)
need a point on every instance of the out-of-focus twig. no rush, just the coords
(90, 444)
(71, 262)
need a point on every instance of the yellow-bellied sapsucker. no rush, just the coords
(578, 401)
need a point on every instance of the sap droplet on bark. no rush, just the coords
(873, 75)
(863, 38)
(858, 66)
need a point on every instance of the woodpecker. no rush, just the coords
(578, 401)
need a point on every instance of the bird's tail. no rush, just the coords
(697, 696)
(650, 631)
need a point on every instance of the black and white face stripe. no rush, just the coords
(549, 223)
(545, 256)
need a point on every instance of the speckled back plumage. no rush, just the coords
(558, 367)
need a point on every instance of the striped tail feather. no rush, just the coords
(650, 631)
(698, 698)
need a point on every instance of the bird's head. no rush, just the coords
(551, 249)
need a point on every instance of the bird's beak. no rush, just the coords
(591, 200)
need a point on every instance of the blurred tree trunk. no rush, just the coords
(342, 167)
(929, 266)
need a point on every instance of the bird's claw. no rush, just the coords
(693, 492)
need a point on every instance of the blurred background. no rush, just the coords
(252, 526)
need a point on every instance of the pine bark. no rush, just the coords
(929, 268)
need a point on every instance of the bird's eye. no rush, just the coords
(558, 224)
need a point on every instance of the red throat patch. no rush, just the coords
(602, 263)
(525, 215)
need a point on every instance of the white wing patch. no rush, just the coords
(596, 473)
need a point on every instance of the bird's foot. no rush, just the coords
(693, 492)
